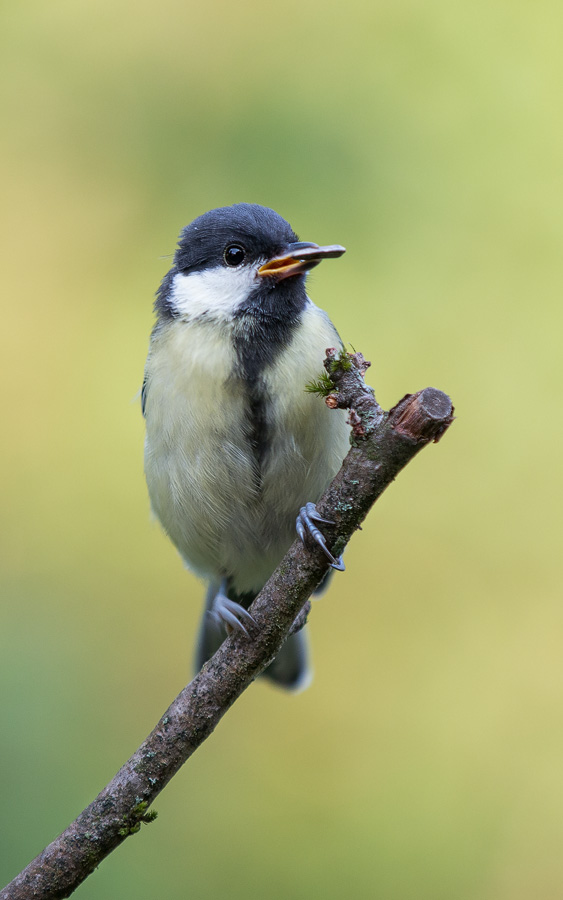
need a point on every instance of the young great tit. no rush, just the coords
(235, 447)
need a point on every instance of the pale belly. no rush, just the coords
(226, 515)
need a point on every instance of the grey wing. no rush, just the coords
(144, 390)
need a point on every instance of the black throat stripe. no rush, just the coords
(258, 338)
(257, 344)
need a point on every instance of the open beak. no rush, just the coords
(298, 258)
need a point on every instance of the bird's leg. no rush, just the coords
(306, 528)
(228, 614)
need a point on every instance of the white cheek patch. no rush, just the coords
(216, 291)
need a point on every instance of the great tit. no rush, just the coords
(236, 448)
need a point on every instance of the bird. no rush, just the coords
(237, 451)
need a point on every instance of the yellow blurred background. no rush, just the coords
(426, 760)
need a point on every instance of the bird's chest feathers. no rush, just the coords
(224, 403)
(192, 399)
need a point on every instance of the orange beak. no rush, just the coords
(298, 258)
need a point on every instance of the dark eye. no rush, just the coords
(234, 255)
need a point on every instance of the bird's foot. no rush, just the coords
(230, 615)
(306, 528)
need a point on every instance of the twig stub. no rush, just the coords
(423, 416)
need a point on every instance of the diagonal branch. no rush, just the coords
(382, 444)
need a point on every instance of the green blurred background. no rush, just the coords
(426, 760)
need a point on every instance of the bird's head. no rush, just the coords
(239, 259)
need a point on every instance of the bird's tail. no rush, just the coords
(290, 669)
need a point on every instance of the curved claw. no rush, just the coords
(339, 564)
(305, 527)
(311, 511)
(230, 614)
